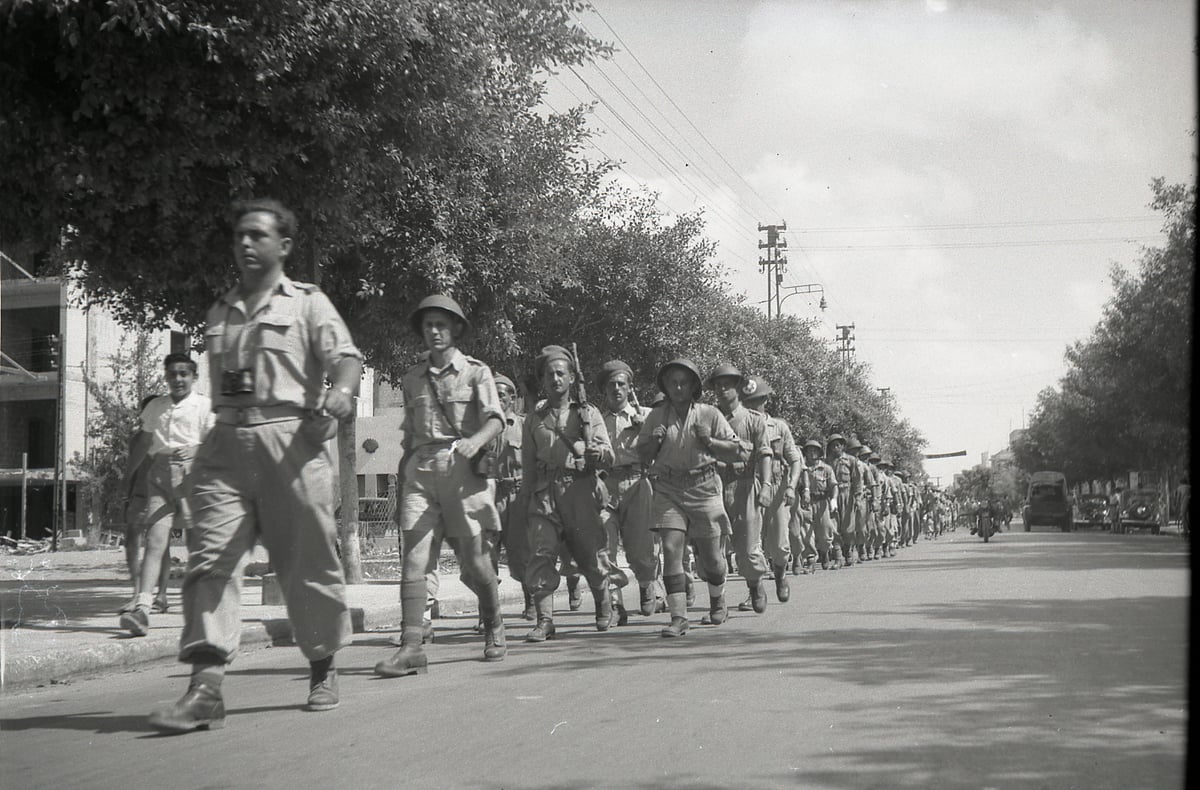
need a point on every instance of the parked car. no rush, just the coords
(1140, 510)
(1048, 504)
(1090, 510)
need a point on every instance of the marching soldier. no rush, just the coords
(684, 440)
(786, 466)
(849, 483)
(510, 505)
(871, 497)
(747, 483)
(451, 413)
(629, 511)
(823, 491)
(902, 505)
(564, 445)
(853, 449)
(800, 526)
(883, 537)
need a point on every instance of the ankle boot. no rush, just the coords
(495, 647)
(530, 612)
(544, 629)
(646, 599)
(604, 609)
(410, 659)
(618, 606)
(574, 599)
(782, 590)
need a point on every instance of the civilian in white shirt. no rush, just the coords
(174, 425)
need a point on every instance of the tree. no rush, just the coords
(134, 372)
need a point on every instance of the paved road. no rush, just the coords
(1040, 660)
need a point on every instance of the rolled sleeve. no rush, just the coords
(488, 398)
(333, 340)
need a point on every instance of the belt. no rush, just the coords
(258, 415)
(688, 476)
(177, 455)
(843, 485)
(626, 470)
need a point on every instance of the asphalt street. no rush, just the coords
(1039, 660)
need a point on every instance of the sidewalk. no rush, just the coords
(59, 614)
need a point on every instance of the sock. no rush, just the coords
(716, 590)
(145, 599)
(210, 675)
(677, 605)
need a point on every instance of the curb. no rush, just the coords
(57, 666)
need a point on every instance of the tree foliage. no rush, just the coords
(1125, 401)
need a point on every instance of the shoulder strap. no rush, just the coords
(437, 399)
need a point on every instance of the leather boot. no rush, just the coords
(604, 609)
(678, 627)
(200, 708)
(758, 598)
(530, 612)
(782, 590)
(574, 599)
(620, 616)
(718, 612)
(410, 659)
(797, 565)
(495, 647)
(545, 620)
(646, 599)
(823, 558)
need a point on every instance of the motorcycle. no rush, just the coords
(985, 526)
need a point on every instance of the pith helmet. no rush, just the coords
(756, 387)
(437, 302)
(610, 369)
(686, 364)
(724, 369)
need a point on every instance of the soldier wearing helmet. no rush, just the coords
(684, 440)
(870, 550)
(849, 483)
(859, 535)
(787, 464)
(510, 504)
(747, 480)
(451, 411)
(823, 489)
(629, 511)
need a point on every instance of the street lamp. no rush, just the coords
(806, 288)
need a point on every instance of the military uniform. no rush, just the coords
(629, 513)
(849, 483)
(742, 491)
(871, 544)
(264, 473)
(513, 530)
(823, 489)
(800, 526)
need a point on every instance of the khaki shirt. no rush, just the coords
(509, 461)
(546, 450)
(623, 430)
(467, 394)
(848, 475)
(681, 451)
(822, 483)
(750, 427)
(292, 342)
(871, 485)
(783, 448)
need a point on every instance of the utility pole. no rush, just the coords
(845, 341)
(774, 264)
(884, 391)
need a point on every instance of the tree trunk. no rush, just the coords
(348, 480)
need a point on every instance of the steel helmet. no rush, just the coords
(815, 444)
(437, 302)
(835, 437)
(686, 364)
(756, 387)
(724, 369)
(864, 450)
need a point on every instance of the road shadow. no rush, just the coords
(99, 722)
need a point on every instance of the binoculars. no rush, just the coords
(237, 382)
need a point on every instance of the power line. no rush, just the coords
(974, 225)
(980, 244)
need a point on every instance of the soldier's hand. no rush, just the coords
(806, 502)
(765, 496)
(466, 448)
(659, 433)
(592, 454)
(578, 449)
(702, 433)
(789, 496)
(337, 403)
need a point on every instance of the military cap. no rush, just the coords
(686, 364)
(835, 437)
(437, 302)
(548, 355)
(505, 380)
(724, 369)
(755, 387)
(610, 369)
(863, 450)
(815, 444)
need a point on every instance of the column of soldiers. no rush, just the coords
(568, 482)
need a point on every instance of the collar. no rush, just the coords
(456, 362)
(285, 287)
(735, 411)
(629, 410)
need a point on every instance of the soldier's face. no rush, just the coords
(835, 449)
(679, 385)
(506, 395)
(438, 328)
(557, 377)
(812, 455)
(180, 379)
(726, 390)
(258, 247)
(617, 390)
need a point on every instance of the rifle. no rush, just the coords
(581, 401)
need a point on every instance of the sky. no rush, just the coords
(958, 178)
